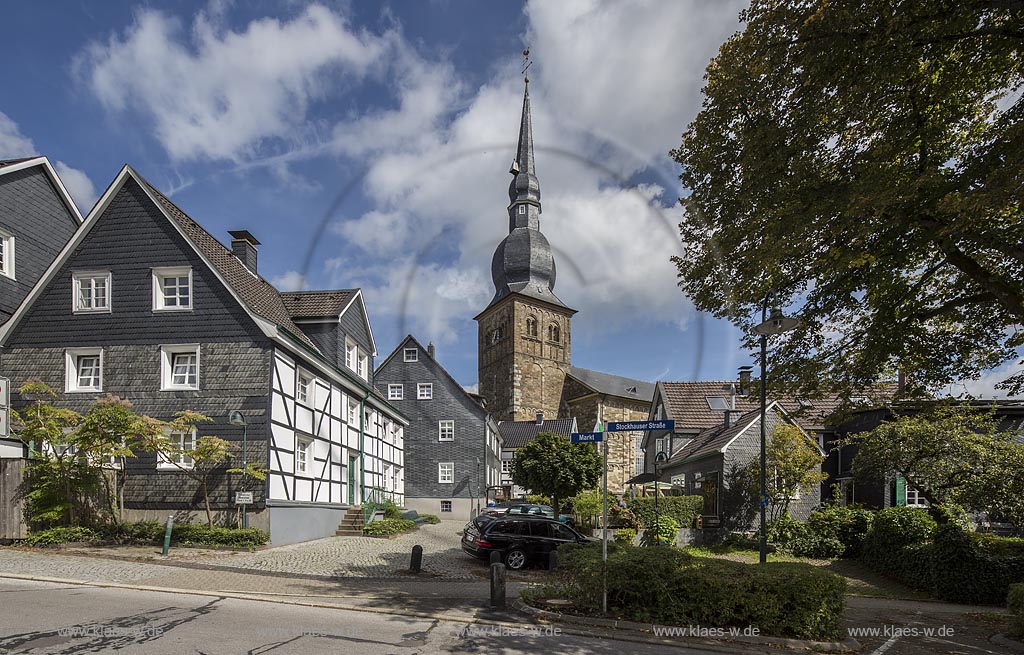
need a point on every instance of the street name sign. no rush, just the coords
(586, 437)
(639, 426)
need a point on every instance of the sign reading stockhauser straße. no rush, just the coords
(5, 407)
(640, 426)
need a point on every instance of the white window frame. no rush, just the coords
(396, 392)
(919, 500)
(159, 300)
(442, 428)
(351, 355)
(167, 354)
(446, 467)
(522, 210)
(7, 265)
(77, 278)
(305, 397)
(448, 504)
(71, 356)
(353, 413)
(303, 445)
(164, 464)
(363, 364)
(424, 386)
(506, 467)
(411, 354)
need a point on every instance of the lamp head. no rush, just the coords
(776, 323)
(236, 418)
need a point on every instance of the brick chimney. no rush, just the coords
(243, 244)
(430, 349)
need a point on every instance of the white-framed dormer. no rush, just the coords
(446, 430)
(91, 292)
(182, 441)
(83, 370)
(7, 254)
(179, 367)
(172, 289)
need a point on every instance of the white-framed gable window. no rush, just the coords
(182, 442)
(411, 355)
(424, 391)
(90, 291)
(446, 472)
(172, 288)
(304, 387)
(303, 454)
(363, 367)
(6, 254)
(446, 430)
(506, 466)
(396, 391)
(83, 370)
(179, 367)
(351, 354)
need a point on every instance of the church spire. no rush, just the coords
(524, 190)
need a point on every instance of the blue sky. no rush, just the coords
(367, 144)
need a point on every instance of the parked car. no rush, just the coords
(519, 539)
(541, 510)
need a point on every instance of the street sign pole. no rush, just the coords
(604, 529)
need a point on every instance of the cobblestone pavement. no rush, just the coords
(91, 569)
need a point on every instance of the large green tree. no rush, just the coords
(864, 161)
(554, 466)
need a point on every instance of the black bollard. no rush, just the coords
(498, 585)
(495, 556)
(553, 560)
(417, 559)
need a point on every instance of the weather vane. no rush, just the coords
(527, 62)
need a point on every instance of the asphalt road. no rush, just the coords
(43, 617)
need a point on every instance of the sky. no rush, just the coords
(367, 144)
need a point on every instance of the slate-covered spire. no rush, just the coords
(523, 262)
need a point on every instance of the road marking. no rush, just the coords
(886, 646)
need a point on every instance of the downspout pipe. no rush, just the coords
(362, 447)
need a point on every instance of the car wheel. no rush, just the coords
(515, 559)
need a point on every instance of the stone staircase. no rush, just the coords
(352, 524)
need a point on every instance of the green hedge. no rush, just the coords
(195, 534)
(152, 532)
(1015, 603)
(54, 536)
(670, 587)
(683, 509)
(386, 527)
(431, 518)
(625, 535)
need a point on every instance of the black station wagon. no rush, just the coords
(519, 539)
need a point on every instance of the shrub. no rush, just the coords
(684, 509)
(785, 531)
(661, 532)
(61, 535)
(847, 525)
(537, 499)
(621, 515)
(625, 535)
(1015, 603)
(391, 510)
(388, 527)
(195, 534)
(431, 518)
(963, 574)
(895, 527)
(817, 545)
(670, 587)
(588, 505)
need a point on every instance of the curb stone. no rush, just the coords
(845, 646)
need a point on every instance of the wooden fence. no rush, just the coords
(12, 520)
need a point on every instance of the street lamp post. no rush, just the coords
(659, 458)
(236, 418)
(776, 323)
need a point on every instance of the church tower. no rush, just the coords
(523, 334)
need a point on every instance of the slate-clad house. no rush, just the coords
(452, 445)
(515, 435)
(706, 464)
(37, 217)
(145, 304)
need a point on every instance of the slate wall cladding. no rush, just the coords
(423, 450)
(353, 325)
(32, 211)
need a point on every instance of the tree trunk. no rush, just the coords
(206, 500)
(556, 507)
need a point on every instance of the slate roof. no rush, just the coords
(714, 439)
(259, 295)
(10, 162)
(516, 434)
(614, 385)
(310, 304)
(687, 404)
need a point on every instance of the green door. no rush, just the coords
(353, 462)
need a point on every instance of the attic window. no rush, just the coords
(631, 390)
(717, 403)
(805, 403)
(859, 400)
(412, 355)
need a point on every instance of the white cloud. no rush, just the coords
(289, 281)
(222, 94)
(985, 386)
(14, 144)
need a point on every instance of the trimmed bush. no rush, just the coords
(1015, 603)
(54, 536)
(963, 574)
(991, 544)
(670, 587)
(431, 518)
(196, 534)
(847, 525)
(387, 527)
(785, 531)
(684, 509)
(818, 546)
(895, 527)
(661, 532)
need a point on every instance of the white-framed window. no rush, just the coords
(179, 367)
(303, 454)
(446, 472)
(396, 391)
(446, 430)
(446, 506)
(172, 288)
(411, 354)
(83, 369)
(506, 466)
(364, 366)
(182, 441)
(90, 291)
(424, 391)
(6, 254)
(353, 412)
(522, 210)
(351, 354)
(914, 498)
(303, 387)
